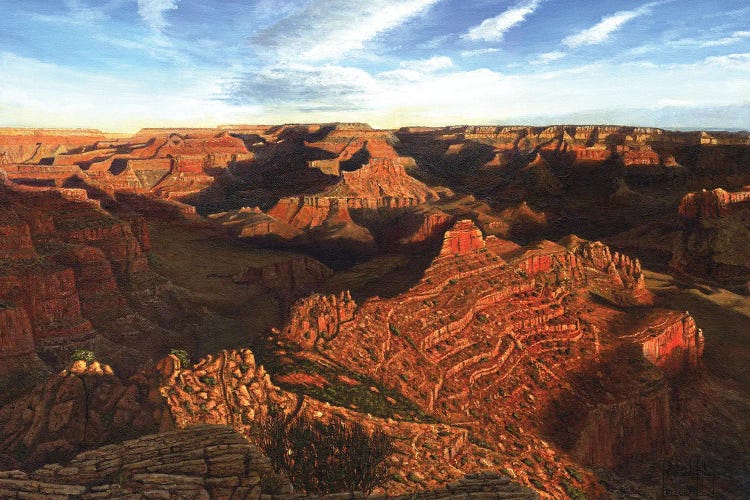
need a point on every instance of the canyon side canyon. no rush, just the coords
(523, 312)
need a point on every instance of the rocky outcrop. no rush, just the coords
(672, 342)
(15, 238)
(203, 462)
(318, 317)
(85, 406)
(169, 165)
(288, 278)
(487, 324)
(621, 269)
(228, 389)
(462, 239)
(714, 203)
(16, 338)
(48, 295)
(614, 433)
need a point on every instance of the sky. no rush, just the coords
(119, 65)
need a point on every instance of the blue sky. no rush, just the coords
(123, 64)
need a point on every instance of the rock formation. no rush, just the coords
(204, 461)
(289, 278)
(200, 462)
(714, 203)
(487, 323)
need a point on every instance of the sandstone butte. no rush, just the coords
(715, 203)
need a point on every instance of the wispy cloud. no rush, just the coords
(78, 13)
(304, 87)
(153, 12)
(549, 57)
(601, 31)
(327, 30)
(735, 37)
(479, 52)
(428, 65)
(494, 29)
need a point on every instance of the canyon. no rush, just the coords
(484, 296)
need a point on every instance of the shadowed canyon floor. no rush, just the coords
(565, 306)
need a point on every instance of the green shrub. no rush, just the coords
(573, 492)
(513, 429)
(208, 380)
(574, 474)
(480, 442)
(183, 356)
(83, 355)
(537, 484)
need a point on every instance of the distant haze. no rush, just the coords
(120, 65)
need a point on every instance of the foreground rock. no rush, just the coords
(201, 462)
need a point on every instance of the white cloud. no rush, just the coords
(549, 57)
(401, 96)
(39, 94)
(479, 52)
(601, 31)
(735, 37)
(413, 71)
(153, 11)
(737, 62)
(78, 13)
(329, 29)
(428, 65)
(493, 29)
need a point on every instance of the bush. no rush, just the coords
(83, 355)
(183, 356)
(322, 458)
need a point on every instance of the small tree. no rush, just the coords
(323, 458)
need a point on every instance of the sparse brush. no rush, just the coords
(322, 458)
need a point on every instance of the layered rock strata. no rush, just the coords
(491, 322)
